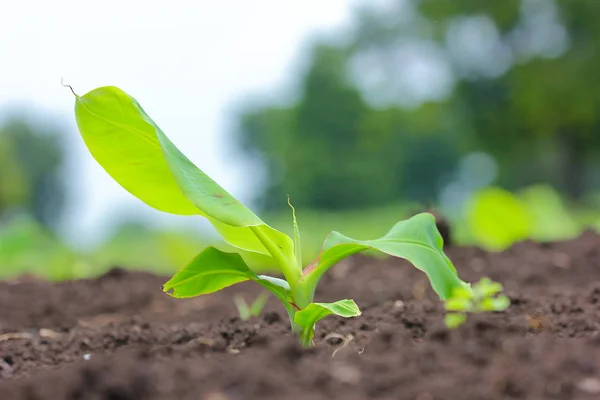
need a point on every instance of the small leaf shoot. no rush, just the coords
(311, 314)
(247, 311)
(297, 243)
(483, 297)
(242, 307)
(259, 303)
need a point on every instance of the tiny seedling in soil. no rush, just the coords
(141, 158)
(247, 311)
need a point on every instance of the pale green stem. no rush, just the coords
(303, 294)
(306, 336)
(288, 267)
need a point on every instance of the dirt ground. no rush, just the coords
(119, 337)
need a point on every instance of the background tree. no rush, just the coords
(420, 84)
(331, 150)
(523, 78)
(30, 160)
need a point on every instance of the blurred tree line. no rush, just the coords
(393, 108)
(31, 155)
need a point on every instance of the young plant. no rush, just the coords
(483, 296)
(129, 145)
(247, 311)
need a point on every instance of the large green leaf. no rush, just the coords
(139, 156)
(213, 270)
(416, 240)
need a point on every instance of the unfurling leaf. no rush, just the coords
(297, 243)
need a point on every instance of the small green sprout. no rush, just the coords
(133, 150)
(483, 297)
(247, 311)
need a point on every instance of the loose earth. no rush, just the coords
(118, 337)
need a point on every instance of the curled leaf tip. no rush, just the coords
(63, 84)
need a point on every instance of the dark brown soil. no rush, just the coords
(120, 338)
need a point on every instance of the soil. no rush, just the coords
(118, 337)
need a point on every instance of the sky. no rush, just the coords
(187, 62)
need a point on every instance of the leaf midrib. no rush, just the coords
(137, 132)
(399, 241)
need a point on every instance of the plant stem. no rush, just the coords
(301, 294)
(296, 329)
(306, 336)
(287, 265)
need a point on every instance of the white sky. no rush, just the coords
(184, 61)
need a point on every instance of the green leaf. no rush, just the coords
(458, 304)
(213, 270)
(258, 304)
(499, 303)
(279, 288)
(486, 287)
(139, 156)
(245, 311)
(210, 271)
(416, 240)
(497, 218)
(242, 307)
(462, 292)
(311, 314)
(454, 320)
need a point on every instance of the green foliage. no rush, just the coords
(314, 312)
(332, 151)
(213, 270)
(139, 156)
(30, 159)
(454, 320)
(149, 166)
(519, 83)
(416, 240)
(135, 245)
(538, 117)
(483, 297)
(27, 247)
(497, 218)
(245, 311)
(210, 271)
(360, 223)
(551, 221)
